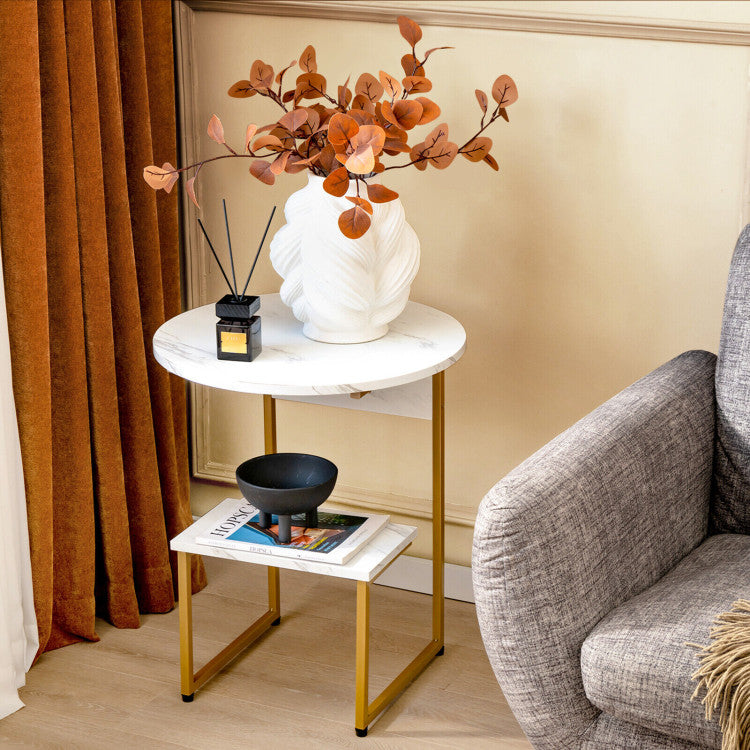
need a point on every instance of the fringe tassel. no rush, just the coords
(724, 673)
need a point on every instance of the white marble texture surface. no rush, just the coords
(422, 341)
(364, 566)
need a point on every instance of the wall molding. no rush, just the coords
(358, 498)
(475, 15)
(445, 13)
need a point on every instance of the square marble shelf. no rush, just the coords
(366, 565)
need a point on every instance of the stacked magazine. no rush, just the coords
(336, 538)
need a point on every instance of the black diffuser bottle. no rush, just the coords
(238, 330)
(238, 335)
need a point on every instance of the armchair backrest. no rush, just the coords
(730, 510)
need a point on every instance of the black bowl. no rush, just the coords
(285, 484)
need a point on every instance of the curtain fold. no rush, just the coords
(91, 261)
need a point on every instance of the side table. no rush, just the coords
(422, 342)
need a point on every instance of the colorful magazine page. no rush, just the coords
(335, 539)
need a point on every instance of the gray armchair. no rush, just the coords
(599, 557)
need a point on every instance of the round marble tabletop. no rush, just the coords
(422, 341)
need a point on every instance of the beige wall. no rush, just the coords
(598, 252)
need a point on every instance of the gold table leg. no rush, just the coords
(189, 681)
(361, 710)
(364, 713)
(438, 509)
(186, 625)
(269, 436)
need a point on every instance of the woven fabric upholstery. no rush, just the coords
(635, 665)
(593, 518)
(609, 733)
(731, 502)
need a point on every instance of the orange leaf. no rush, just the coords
(261, 75)
(416, 84)
(313, 119)
(287, 140)
(280, 74)
(361, 202)
(160, 178)
(241, 90)
(434, 49)
(215, 129)
(362, 117)
(386, 112)
(337, 183)
(191, 191)
(411, 65)
(504, 114)
(404, 113)
(391, 86)
(252, 129)
(361, 103)
(294, 120)
(482, 99)
(416, 153)
(271, 142)
(310, 86)
(171, 177)
(342, 129)
(369, 87)
(354, 223)
(362, 161)
(504, 91)
(345, 95)
(409, 29)
(408, 113)
(296, 163)
(430, 110)
(287, 96)
(379, 167)
(381, 194)
(371, 135)
(477, 149)
(491, 161)
(437, 136)
(307, 60)
(442, 155)
(327, 158)
(279, 163)
(262, 170)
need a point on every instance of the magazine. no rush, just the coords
(336, 538)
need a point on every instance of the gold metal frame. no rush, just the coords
(189, 681)
(364, 711)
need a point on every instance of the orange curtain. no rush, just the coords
(91, 265)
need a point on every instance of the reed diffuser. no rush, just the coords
(238, 335)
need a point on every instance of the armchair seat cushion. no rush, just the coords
(635, 663)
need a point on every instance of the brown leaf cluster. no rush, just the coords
(343, 133)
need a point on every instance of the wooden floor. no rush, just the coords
(294, 688)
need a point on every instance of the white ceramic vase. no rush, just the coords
(343, 291)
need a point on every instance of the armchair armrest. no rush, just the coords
(593, 518)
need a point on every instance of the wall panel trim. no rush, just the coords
(358, 498)
(444, 13)
(473, 15)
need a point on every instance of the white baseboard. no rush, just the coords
(415, 574)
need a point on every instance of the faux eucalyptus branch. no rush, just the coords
(345, 138)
